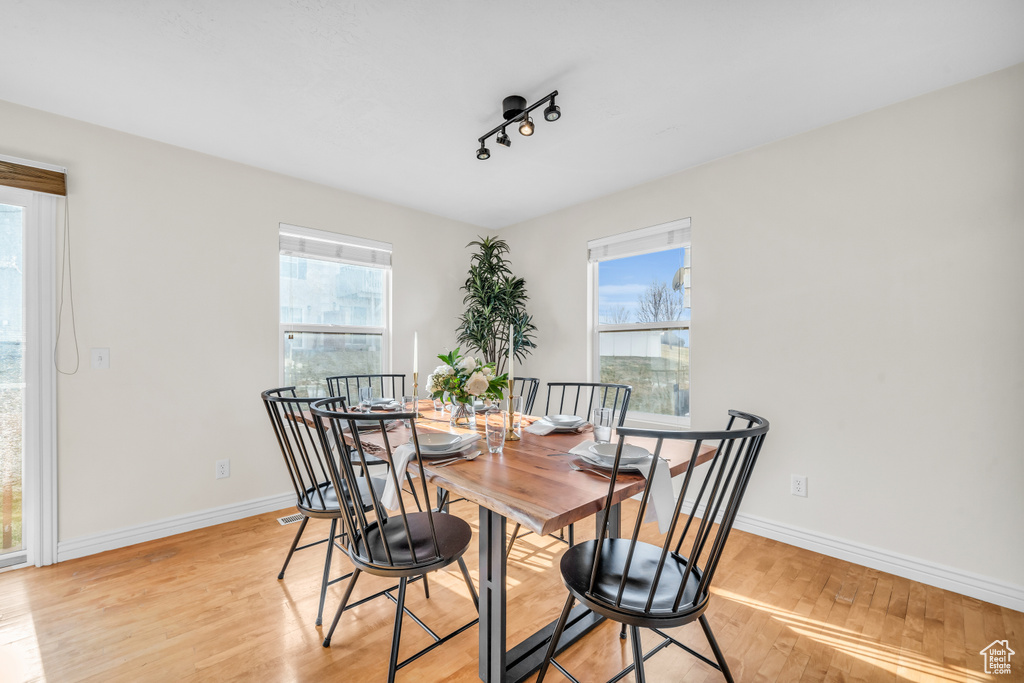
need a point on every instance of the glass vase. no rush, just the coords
(463, 415)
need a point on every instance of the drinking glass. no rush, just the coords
(515, 407)
(438, 406)
(365, 394)
(494, 426)
(602, 418)
(408, 406)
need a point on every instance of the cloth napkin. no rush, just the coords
(662, 503)
(400, 459)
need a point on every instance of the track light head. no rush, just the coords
(552, 112)
(526, 127)
(502, 139)
(483, 153)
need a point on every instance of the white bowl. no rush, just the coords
(565, 420)
(630, 454)
(438, 442)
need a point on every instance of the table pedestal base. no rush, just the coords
(497, 665)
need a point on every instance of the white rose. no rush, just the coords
(468, 364)
(488, 372)
(477, 384)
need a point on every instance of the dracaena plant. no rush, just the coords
(495, 299)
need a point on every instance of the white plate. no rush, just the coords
(594, 461)
(566, 421)
(438, 442)
(605, 452)
(462, 444)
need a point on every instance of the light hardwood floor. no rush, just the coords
(207, 606)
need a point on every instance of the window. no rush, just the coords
(642, 317)
(334, 307)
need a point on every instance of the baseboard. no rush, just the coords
(119, 538)
(941, 576)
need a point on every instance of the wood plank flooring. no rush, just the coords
(207, 606)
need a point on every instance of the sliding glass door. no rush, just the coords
(12, 382)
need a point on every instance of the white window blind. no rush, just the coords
(643, 241)
(331, 246)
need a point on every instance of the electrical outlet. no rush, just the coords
(223, 468)
(798, 485)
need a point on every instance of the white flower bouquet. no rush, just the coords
(465, 379)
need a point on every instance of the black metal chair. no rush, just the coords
(307, 462)
(580, 398)
(382, 386)
(403, 545)
(527, 388)
(646, 586)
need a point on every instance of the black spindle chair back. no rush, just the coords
(580, 398)
(304, 456)
(527, 388)
(381, 385)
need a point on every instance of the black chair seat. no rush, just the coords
(453, 538)
(576, 571)
(325, 502)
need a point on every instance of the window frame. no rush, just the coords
(385, 331)
(637, 418)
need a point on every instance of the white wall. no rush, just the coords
(176, 271)
(861, 287)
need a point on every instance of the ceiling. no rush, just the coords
(387, 99)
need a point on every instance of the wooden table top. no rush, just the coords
(528, 485)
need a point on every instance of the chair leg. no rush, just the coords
(327, 572)
(341, 607)
(572, 535)
(426, 587)
(714, 648)
(559, 627)
(622, 632)
(512, 541)
(295, 544)
(638, 655)
(469, 582)
(412, 489)
(396, 639)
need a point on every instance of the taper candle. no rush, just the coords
(415, 351)
(511, 355)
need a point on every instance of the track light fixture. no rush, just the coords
(515, 111)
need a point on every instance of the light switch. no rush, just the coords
(100, 359)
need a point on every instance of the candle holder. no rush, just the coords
(510, 432)
(416, 393)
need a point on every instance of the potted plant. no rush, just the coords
(495, 299)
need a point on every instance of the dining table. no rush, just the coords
(531, 483)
